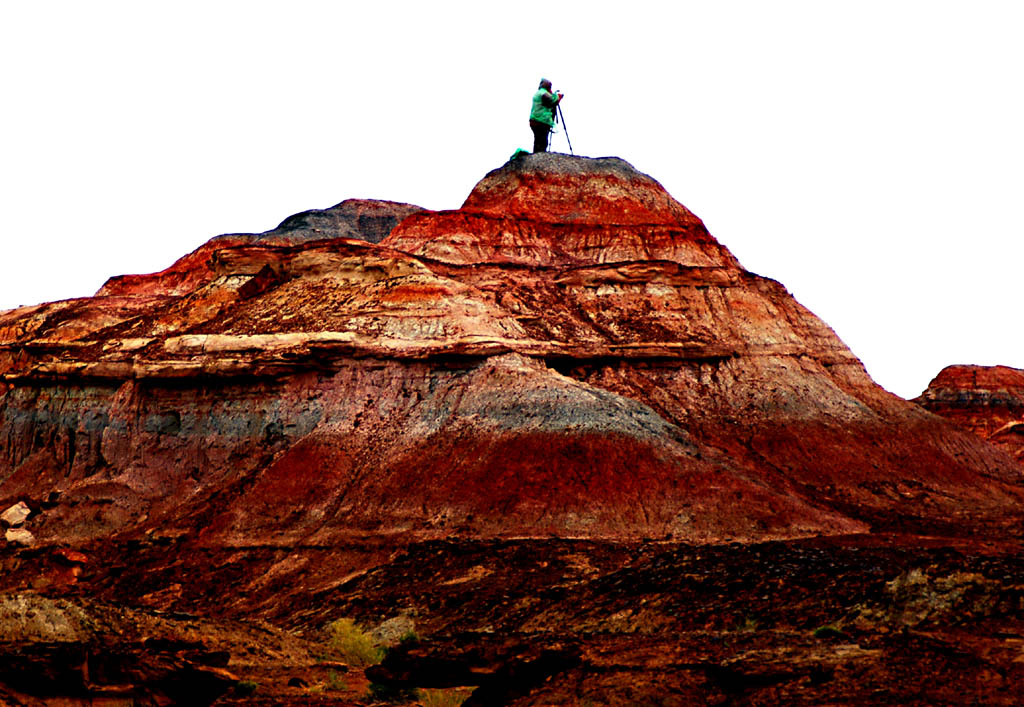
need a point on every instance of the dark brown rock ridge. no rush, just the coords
(367, 219)
(362, 219)
(987, 400)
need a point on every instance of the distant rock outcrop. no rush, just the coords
(987, 400)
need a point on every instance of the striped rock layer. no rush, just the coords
(569, 354)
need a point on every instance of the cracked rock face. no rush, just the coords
(571, 353)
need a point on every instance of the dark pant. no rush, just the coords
(540, 136)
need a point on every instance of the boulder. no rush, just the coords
(15, 515)
(19, 536)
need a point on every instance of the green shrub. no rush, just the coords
(336, 682)
(352, 644)
(443, 698)
(409, 637)
(747, 625)
(245, 688)
(830, 631)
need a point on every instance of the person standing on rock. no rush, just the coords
(542, 116)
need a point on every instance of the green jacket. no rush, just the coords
(544, 103)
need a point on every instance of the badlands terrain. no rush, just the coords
(554, 447)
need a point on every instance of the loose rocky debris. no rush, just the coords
(539, 622)
(827, 621)
(77, 652)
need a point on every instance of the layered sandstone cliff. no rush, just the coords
(987, 400)
(571, 353)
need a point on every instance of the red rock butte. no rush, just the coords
(560, 432)
(571, 353)
(987, 400)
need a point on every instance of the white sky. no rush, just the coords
(868, 155)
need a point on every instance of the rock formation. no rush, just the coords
(364, 219)
(987, 400)
(569, 355)
(368, 219)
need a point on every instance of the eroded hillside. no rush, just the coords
(570, 358)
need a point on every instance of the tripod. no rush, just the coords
(564, 129)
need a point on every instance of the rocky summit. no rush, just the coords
(559, 435)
